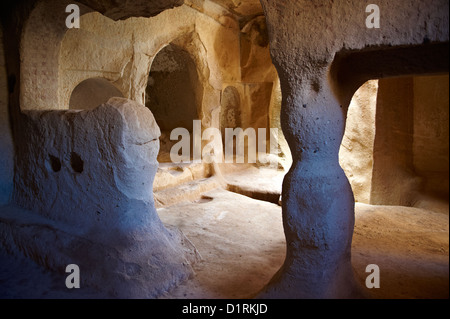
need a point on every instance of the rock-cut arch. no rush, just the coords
(174, 93)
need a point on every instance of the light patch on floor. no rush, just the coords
(243, 250)
(241, 242)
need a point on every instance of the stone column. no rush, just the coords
(323, 51)
(318, 203)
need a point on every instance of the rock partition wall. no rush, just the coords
(411, 143)
(6, 141)
(88, 175)
(394, 181)
(356, 153)
(431, 133)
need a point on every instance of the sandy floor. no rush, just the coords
(242, 245)
(411, 247)
(241, 242)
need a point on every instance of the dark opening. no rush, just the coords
(55, 163)
(173, 94)
(76, 162)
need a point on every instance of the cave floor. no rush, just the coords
(242, 245)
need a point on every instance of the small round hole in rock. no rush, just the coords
(55, 163)
(77, 163)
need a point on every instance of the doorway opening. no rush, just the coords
(395, 155)
(173, 94)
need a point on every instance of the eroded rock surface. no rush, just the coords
(88, 188)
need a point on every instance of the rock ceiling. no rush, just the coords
(143, 8)
(241, 7)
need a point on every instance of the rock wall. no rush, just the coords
(6, 143)
(356, 154)
(41, 46)
(411, 144)
(89, 181)
(123, 52)
(86, 176)
(394, 181)
(431, 135)
(411, 149)
(224, 56)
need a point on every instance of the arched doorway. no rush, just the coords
(173, 94)
(91, 93)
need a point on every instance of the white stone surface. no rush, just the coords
(89, 181)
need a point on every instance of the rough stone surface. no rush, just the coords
(410, 246)
(224, 53)
(411, 140)
(102, 224)
(318, 205)
(394, 181)
(400, 130)
(6, 141)
(356, 154)
(141, 8)
(431, 133)
(262, 184)
(242, 8)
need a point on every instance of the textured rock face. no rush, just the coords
(411, 143)
(243, 8)
(90, 178)
(124, 10)
(6, 143)
(356, 154)
(394, 181)
(400, 130)
(318, 205)
(431, 133)
(117, 141)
